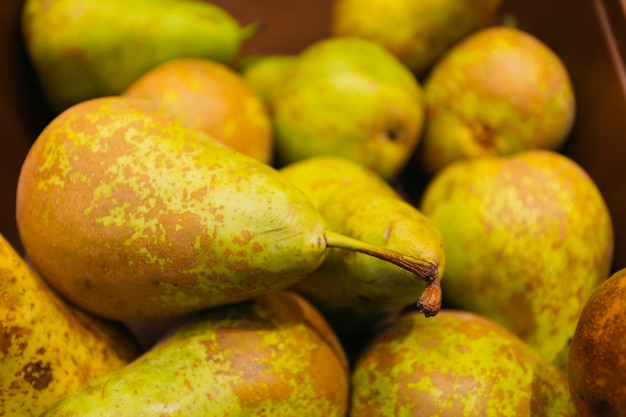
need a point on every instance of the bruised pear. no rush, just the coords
(48, 348)
(133, 216)
(273, 356)
(597, 370)
(354, 290)
(458, 364)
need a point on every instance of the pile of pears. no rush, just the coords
(381, 224)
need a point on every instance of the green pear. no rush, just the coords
(267, 357)
(265, 73)
(528, 237)
(355, 290)
(83, 49)
(498, 91)
(348, 97)
(456, 364)
(133, 216)
(418, 32)
(48, 348)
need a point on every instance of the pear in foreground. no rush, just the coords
(528, 238)
(597, 370)
(274, 356)
(49, 348)
(458, 364)
(134, 216)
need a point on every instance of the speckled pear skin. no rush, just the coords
(498, 91)
(335, 101)
(457, 364)
(355, 290)
(78, 56)
(528, 237)
(417, 32)
(132, 216)
(262, 358)
(48, 348)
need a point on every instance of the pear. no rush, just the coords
(78, 55)
(528, 237)
(48, 348)
(265, 73)
(263, 358)
(456, 364)
(348, 97)
(134, 216)
(212, 97)
(354, 291)
(597, 370)
(418, 32)
(499, 91)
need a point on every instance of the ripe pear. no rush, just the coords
(48, 347)
(348, 97)
(499, 91)
(83, 49)
(134, 216)
(528, 237)
(597, 370)
(354, 291)
(263, 358)
(211, 97)
(456, 364)
(265, 73)
(418, 32)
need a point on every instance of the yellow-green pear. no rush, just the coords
(264, 73)
(528, 237)
(458, 364)
(273, 356)
(418, 32)
(355, 291)
(134, 216)
(348, 97)
(83, 49)
(48, 348)
(499, 91)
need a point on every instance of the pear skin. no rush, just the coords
(456, 364)
(49, 348)
(77, 55)
(266, 357)
(417, 32)
(265, 73)
(335, 101)
(528, 237)
(134, 216)
(357, 202)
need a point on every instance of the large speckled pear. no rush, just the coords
(457, 364)
(48, 348)
(274, 356)
(83, 49)
(348, 97)
(131, 215)
(528, 237)
(354, 290)
(418, 32)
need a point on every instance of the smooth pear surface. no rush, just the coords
(133, 216)
(265, 73)
(458, 364)
(597, 369)
(528, 238)
(498, 91)
(211, 97)
(83, 49)
(273, 356)
(348, 97)
(418, 32)
(48, 348)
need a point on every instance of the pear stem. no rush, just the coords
(430, 301)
